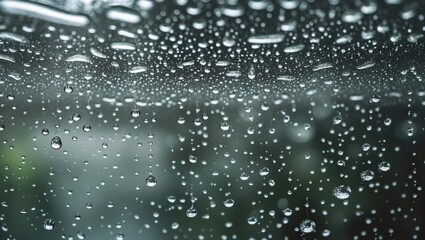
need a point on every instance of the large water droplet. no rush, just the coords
(252, 220)
(191, 212)
(49, 224)
(151, 181)
(229, 203)
(342, 192)
(307, 226)
(367, 175)
(384, 166)
(56, 142)
(45, 131)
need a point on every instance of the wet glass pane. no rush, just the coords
(207, 119)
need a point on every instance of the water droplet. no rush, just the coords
(342, 192)
(264, 171)
(181, 120)
(80, 235)
(375, 98)
(289, 4)
(224, 126)
(307, 226)
(322, 66)
(138, 69)
(410, 131)
(151, 181)
(56, 142)
(119, 236)
(252, 220)
(97, 53)
(367, 175)
(76, 117)
(244, 176)
(174, 225)
(287, 212)
(233, 11)
(251, 72)
(351, 16)
(79, 58)
(191, 212)
(68, 89)
(266, 39)
(366, 147)
(135, 113)
(192, 158)
(172, 199)
(265, 106)
(294, 48)
(45, 131)
(384, 166)
(86, 128)
(123, 46)
(337, 119)
(326, 232)
(365, 65)
(49, 224)
(197, 122)
(229, 203)
(122, 15)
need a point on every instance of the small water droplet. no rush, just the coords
(181, 120)
(244, 176)
(410, 131)
(366, 147)
(119, 236)
(172, 199)
(135, 113)
(68, 89)
(337, 119)
(174, 225)
(375, 98)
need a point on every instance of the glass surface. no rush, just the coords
(206, 119)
